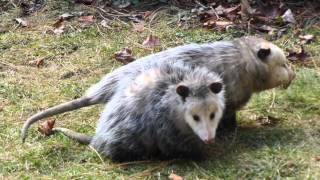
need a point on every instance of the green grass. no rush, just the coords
(278, 137)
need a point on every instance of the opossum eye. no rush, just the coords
(263, 53)
(196, 118)
(215, 87)
(183, 91)
(212, 116)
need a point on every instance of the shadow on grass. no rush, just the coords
(248, 138)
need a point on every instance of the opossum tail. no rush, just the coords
(79, 137)
(61, 108)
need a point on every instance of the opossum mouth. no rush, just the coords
(286, 85)
(209, 142)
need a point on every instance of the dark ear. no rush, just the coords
(264, 51)
(215, 87)
(183, 91)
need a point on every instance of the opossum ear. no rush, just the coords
(183, 91)
(264, 51)
(215, 87)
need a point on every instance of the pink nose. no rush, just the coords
(208, 141)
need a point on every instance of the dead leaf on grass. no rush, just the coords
(37, 62)
(45, 128)
(124, 56)
(301, 56)
(146, 14)
(218, 25)
(59, 26)
(173, 176)
(288, 17)
(317, 158)
(66, 16)
(22, 22)
(305, 39)
(151, 41)
(104, 23)
(86, 21)
(138, 27)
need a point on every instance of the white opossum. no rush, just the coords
(168, 111)
(247, 65)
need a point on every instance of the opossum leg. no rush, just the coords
(79, 137)
(228, 123)
(61, 108)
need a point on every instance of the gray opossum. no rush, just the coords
(168, 111)
(246, 65)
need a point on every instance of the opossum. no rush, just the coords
(168, 111)
(247, 65)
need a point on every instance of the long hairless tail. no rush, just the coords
(79, 137)
(61, 108)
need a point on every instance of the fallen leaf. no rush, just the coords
(86, 21)
(59, 26)
(138, 27)
(218, 25)
(104, 23)
(298, 56)
(45, 128)
(23, 23)
(265, 28)
(151, 41)
(268, 121)
(66, 16)
(146, 14)
(317, 158)
(207, 15)
(175, 177)
(230, 12)
(124, 56)
(37, 62)
(219, 10)
(288, 17)
(306, 38)
(209, 23)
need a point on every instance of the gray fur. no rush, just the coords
(149, 122)
(236, 61)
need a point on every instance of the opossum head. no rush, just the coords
(202, 113)
(272, 64)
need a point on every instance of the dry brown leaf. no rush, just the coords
(37, 62)
(124, 56)
(301, 56)
(104, 23)
(317, 158)
(45, 128)
(288, 17)
(151, 41)
(306, 38)
(173, 176)
(146, 14)
(138, 27)
(22, 22)
(59, 26)
(86, 21)
(66, 16)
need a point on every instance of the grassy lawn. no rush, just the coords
(278, 137)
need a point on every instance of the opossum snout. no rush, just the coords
(209, 141)
(292, 76)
